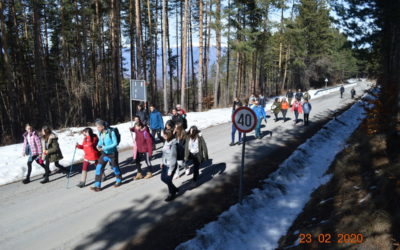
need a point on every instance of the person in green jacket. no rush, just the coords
(276, 108)
(51, 152)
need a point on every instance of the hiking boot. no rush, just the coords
(45, 180)
(81, 185)
(96, 189)
(193, 185)
(117, 184)
(170, 197)
(148, 175)
(26, 181)
(138, 176)
(231, 144)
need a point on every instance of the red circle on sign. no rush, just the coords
(251, 112)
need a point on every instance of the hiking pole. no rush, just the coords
(70, 168)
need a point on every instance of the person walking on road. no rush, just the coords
(297, 109)
(236, 101)
(169, 158)
(32, 148)
(51, 152)
(180, 136)
(353, 93)
(107, 145)
(156, 123)
(260, 114)
(341, 91)
(196, 151)
(142, 114)
(91, 156)
(306, 109)
(306, 96)
(284, 108)
(290, 96)
(183, 114)
(261, 100)
(176, 118)
(276, 108)
(144, 145)
(299, 95)
(234, 130)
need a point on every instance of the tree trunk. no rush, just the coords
(200, 73)
(184, 54)
(218, 37)
(164, 56)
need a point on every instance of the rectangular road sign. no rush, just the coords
(138, 90)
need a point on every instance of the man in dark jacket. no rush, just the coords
(176, 117)
(299, 95)
(341, 91)
(142, 114)
(290, 96)
(156, 123)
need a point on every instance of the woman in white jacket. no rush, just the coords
(168, 165)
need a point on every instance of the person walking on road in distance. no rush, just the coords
(276, 108)
(107, 146)
(180, 136)
(299, 95)
(261, 100)
(234, 130)
(32, 148)
(144, 145)
(306, 109)
(306, 96)
(260, 114)
(91, 156)
(290, 96)
(156, 124)
(284, 108)
(142, 114)
(51, 152)
(183, 114)
(236, 101)
(196, 151)
(297, 109)
(341, 91)
(353, 93)
(168, 163)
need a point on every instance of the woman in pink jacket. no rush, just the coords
(297, 108)
(143, 149)
(33, 149)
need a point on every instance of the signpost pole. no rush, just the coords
(242, 169)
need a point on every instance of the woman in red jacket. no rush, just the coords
(144, 144)
(91, 153)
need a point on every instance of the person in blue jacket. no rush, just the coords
(156, 123)
(260, 113)
(306, 109)
(107, 146)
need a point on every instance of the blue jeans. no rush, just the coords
(104, 158)
(234, 132)
(258, 127)
(168, 180)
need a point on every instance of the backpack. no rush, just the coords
(117, 134)
(306, 96)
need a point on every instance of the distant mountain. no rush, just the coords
(127, 62)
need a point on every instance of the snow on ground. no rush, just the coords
(13, 165)
(267, 213)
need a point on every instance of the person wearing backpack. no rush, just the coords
(297, 109)
(341, 91)
(306, 109)
(299, 95)
(32, 147)
(260, 114)
(142, 114)
(261, 100)
(284, 108)
(156, 123)
(234, 130)
(144, 145)
(276, 108)
(107, 145)
(88, 145)
(290, 96)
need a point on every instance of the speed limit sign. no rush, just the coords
(244, 119)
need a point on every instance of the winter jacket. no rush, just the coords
(284, 105)
(53, 149)
(289, 94)
(144, 143)
(181, 148)
(307, 107)
(177, 119)
(143, 116)
(182, 112)
(89, 147)
(203, 152)
(169, 155)
(239, 103)
(260, 112)
(297, 106)
(108, 141)
(34, 143)
(341, 89)
(276, 107)
(156, 120)
(299, 95)
(261, 101)
(307, 96)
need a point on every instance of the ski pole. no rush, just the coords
(70, 168)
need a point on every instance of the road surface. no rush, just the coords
(50, 216)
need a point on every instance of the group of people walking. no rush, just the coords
(180, 146)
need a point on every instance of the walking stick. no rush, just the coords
(70, 168)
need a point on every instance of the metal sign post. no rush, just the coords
(244, 119)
